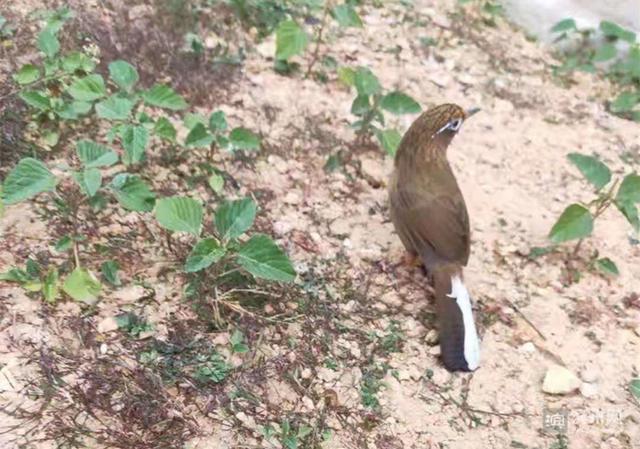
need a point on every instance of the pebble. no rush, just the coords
(528, 348)
(306, 373)
(588, 390)
(432, 337)
(559, 380)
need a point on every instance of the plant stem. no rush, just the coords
(316, 50)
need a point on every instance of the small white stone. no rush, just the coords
(432, 337)
(528, 348)
(559, 380)
(103, 348)
(588, 390)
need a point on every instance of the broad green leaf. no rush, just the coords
(634, 387)
(625, 102)
(347, 16)
(564, 25)
(50, 138)
(109, 271)
(607, 266)
(605, 53)
(123, 74)
(191, 119)
(206, 252)
(233, 218)
(291, 40)
(28, 73)
(218, 122)
(399, 103)
(93, 155)
(48, 43)
(82, 286)
(216, 182)
(629, 191)
(575, 222)
(77, 61)
(64, 244)
(134, 142)
(164, 97)
(114, 108)
(611, 29)
(261, 257)
(73, 110)
(180, 214)
(243, 139)
(596, 172)
(389, 140)
(198, 137)
(89, 88)
(630, 212)
(36, 99)
(26, 180)
(133, 193)
(51, 285)
(347, 76)
(165, 129)
(15, 275)
(366, 82)
(89, 180)
(360, 105)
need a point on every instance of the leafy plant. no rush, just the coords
(212, 133)
(577, 220)
(591, 55)
(212, 368)
(291, 437)
(370, 104)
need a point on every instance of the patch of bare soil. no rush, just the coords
(349, 351)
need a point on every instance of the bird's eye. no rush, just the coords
(454, 125)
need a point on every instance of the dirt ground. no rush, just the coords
(355, 325)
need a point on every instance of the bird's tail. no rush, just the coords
(459, 344)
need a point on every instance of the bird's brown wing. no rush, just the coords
(437, 225)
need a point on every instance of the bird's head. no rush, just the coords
(434, 129)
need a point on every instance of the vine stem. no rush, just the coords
(316, 50)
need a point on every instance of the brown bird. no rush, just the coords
(430, 216)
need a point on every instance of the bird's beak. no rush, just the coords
(472, 111)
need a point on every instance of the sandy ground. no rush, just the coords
(511, 164)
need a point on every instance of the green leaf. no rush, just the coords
(180, 214)
(575, 222)
(28, 73)
(216, 182)
(82, 286)
(109, 271)
(243, 139)
(64, 244)
(233, 218)
(625, 102)
(114, 108)
(191, 119)
(366, 82)
(93, 155)
(27, 179)
(389, 140)
(132, 193)
(36, 99)
(89, 180)
(50, 138)
(164, 97)
(291, 40)
(607, 266)
(611, 29)
(51, 285)
(564, 25)
(218, 122)
(165, 129)
(261, 257)
(634, 387)
(630, 212)
(629, 191)
(605, 53)
(48, 43)
(399, 103)
(72, 110)
(89, 88)
(77, 61)
(596, 172)
(346, 16)
(198, 137)
(347, 76)
(134, 141)
(206, 252)
(360, 105)
(123, 74)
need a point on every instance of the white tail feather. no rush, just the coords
(471, 342)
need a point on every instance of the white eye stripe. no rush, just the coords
(453, 125)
